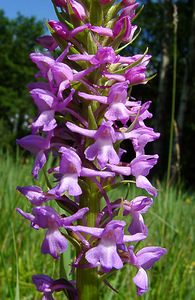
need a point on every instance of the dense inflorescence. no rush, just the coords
(85, 110)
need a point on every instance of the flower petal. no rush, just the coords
(141, 281)
(149, 255)
(54, 243)
(104, 255)
(143, 183)
(40, 161)
(33, 193)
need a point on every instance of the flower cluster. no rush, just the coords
(85, 110)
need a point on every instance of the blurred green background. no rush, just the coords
(171, 220)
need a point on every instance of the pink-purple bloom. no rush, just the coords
(34, 194)
(84, 112)
(69, 171)
(48, 42)
(77, 8)
(143, 260)
(46, 217)
(62, 30)
(124, 22)
(105, 254)
(39, 146)
(104, 55)
(48, 286)
(136, 208)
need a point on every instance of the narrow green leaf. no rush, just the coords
(17, 293)
(150, 78)
(91, 45)
(91, 118)
(134, 122)
(129, 43)
(46, 178)
(138, 13)
(63, 273)
(57, 12)
(17, 290)
(133, 64)
(96, 13)
(112, 12)
(109, 188)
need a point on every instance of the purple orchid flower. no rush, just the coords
(47, 101)
(45, 121)
(107, 55)
(34, 194)
(142, 164)
(104, 55)
(139, 59)
(133, 76)
(144, 260)
(77, 8)
(102, 31)
(60, 75)
(48, 104)
(136, 208)
(48, 42)
(87, 156)
(119, 107)
(46, 217)
(105, 253)
(62, 30)
(37, 197)
(57, 73)
(140, 137)
(117, 101)
(140, 168)
(38, 146)
(43, 99)
(70, 170)
(106, 136)
(139, 113)
(136, 75)
(48, 286)
(129, 10)
(43, 62)
(103, 147)
(124, 24)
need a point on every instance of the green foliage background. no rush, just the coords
(172, 219)
(17, 40)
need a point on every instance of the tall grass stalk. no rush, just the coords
(175, 23)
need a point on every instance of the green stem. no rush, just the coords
(175, 21)
(87, 279)
(87, 284)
